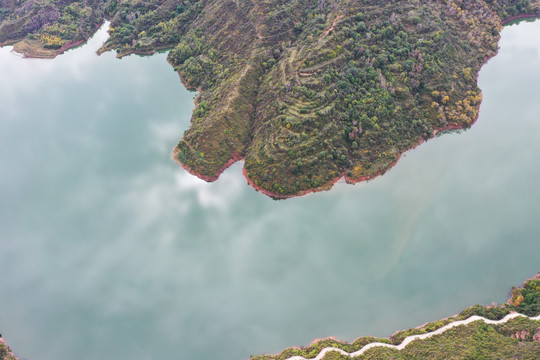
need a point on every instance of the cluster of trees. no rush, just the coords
(144, 26)
(526, 299)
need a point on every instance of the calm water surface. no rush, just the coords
(109, 250)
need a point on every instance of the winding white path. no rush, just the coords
(411, 338)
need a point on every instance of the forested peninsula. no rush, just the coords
(304, 91)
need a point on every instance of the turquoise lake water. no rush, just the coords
(109, 250)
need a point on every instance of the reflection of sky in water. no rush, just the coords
(112, 250)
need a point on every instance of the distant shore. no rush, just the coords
(35, 50)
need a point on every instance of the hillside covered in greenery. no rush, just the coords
(519, 338)
(305, 91)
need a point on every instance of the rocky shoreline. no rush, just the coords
(519, 17)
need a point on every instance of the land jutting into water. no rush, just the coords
(510, 331)
(306, 92)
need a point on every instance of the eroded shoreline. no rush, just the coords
(328, 186)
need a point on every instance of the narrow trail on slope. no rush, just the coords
(411, 338)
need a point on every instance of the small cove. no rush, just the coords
(110, 250)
